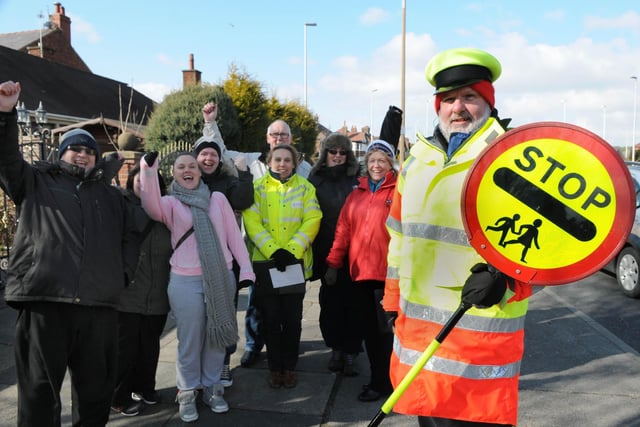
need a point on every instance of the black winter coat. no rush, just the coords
(237, 189)
(73, 240)
(147, 290)
(333, 185)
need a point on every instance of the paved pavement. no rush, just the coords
(574, 373)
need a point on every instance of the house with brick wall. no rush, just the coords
(54, 76)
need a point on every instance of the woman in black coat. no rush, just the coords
(142, 309)
(334, 175)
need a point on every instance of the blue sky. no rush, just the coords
(562, 60)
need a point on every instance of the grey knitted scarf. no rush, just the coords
(222, 326)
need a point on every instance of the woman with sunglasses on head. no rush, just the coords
(334, 175)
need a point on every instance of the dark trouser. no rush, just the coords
(340, 315)
(138, 353)
(232, 348)
(53, 336)
(377, 344)
(445, 422)
(253, 324)
(282, 327)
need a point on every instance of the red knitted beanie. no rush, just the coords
(483, 87)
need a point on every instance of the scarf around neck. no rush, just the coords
(455, 140)
(222, 326)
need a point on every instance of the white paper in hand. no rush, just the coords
(293, 275)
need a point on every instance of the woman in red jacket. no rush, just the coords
(361, 236)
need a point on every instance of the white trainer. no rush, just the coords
(188, 410)
(213, 398)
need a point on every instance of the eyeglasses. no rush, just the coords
(279, 135)
(339, 152)
(82, 149)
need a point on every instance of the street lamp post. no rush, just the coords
(635, 104)
(402, 142)
(35, 138)
(306, 24)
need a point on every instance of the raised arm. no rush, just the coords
(150, 187)
(15, 173)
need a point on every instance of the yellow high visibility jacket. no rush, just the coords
(283, 216)
(474, 374)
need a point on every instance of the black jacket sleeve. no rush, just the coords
(240, 191)
(15, 173)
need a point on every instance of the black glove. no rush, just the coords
(111, 166)
(331, 276)
(283, 257)
(484, 287)
(245, 283)
(150, 157)
(391, 318)
(391, 126)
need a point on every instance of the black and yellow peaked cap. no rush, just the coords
(455, 68)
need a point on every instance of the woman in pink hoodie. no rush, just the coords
(206, 238)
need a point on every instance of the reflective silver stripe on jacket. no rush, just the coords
(468, 321)
(393, 273)
(290, 219)
(435, 232)
(302, 239)
(406, 165)
(394, 224)
(262, 238)
(456, 368)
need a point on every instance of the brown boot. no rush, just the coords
(290, 379)
(275, 379)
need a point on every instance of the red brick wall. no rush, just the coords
(57, 49)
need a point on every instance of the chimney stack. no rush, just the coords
(191, 76)
(62, 21)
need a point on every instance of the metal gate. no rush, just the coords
(34, 146)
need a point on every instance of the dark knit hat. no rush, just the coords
(77, 137)
(206, 142)
(484, 88)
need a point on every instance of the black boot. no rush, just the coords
(336, 363)
(349, 369)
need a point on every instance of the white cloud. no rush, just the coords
(569, 82)
(85, 29)
(627, 21)
(367, 86)
(373, 16)
(555, 15)
(155, 91)
(164, 59)
(540, 82)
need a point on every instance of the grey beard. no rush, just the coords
(470, 128)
